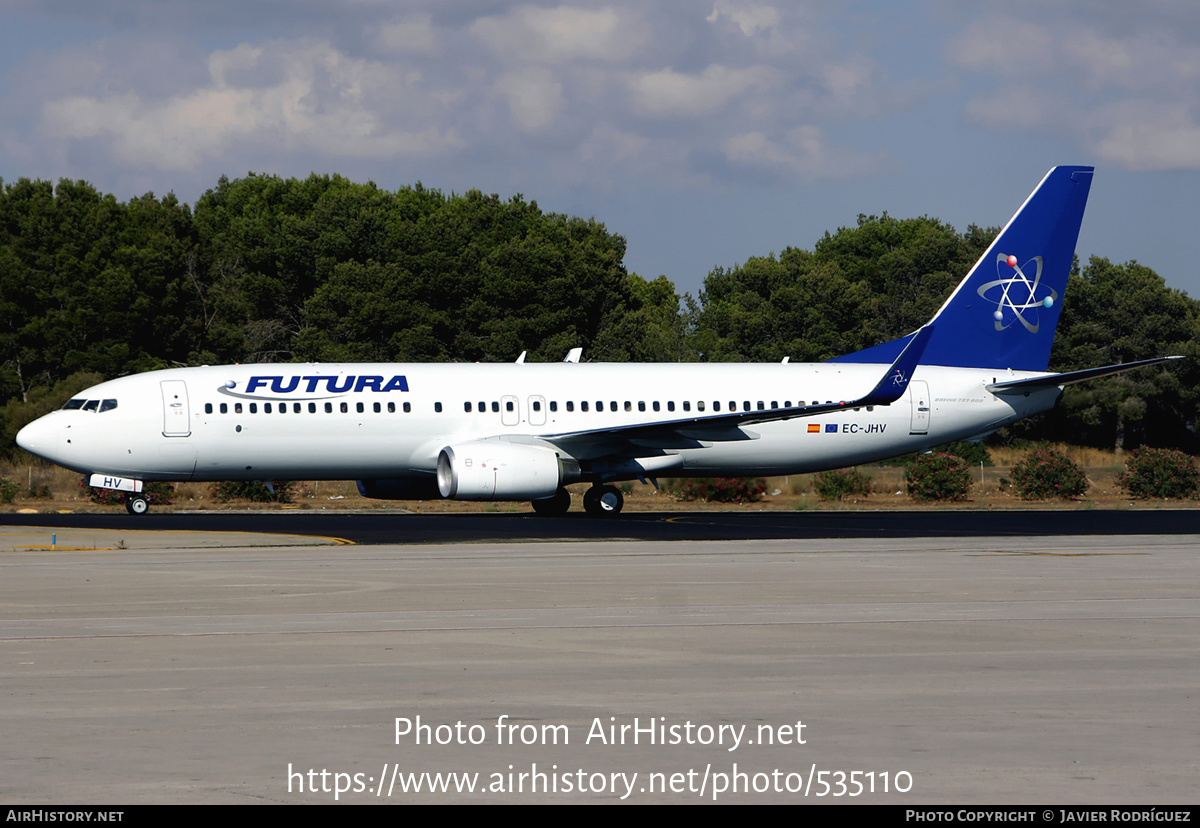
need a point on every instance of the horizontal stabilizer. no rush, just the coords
(1055, 380)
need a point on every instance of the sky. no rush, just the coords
(703, 131)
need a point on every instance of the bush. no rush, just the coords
(973, 453)
(837, 484)
(8, 490)
(156, 492)
(720, 489)
(255, 491)
(1164, 473)
(938, 477)
(1046, 473)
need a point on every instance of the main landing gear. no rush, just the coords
(137, 504)
(555, 506)
(603, 501)
(598, 501)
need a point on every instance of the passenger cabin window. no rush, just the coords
(253, 408)
(208, 408)
(570, 405)
(224, 408)
(312, 408)
(328, 408)
(437, 406)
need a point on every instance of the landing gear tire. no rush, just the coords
(555, 506)
(603, 501)
(137, 504)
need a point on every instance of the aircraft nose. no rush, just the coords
(39, 437)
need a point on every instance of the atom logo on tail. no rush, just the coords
(1018, 293)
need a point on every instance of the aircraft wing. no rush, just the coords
(1053, 380)
(693, 431)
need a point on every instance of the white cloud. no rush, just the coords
(564, 34)
(412, 35)
(1124, 89)
(1003, 46)
(1148, 136)
(317, 98)
(750, 17)
(534, 97)
(802, 151)
(671, 93)
(1018, 108)
(1134, 62)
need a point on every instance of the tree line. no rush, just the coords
(267, 269)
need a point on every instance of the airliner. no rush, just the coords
(521, 431)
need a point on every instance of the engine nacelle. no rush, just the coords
(405, 488)
(498, 470)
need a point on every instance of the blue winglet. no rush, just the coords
(895, 381)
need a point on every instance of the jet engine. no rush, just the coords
(499, 470)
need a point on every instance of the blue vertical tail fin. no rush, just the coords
(1004, 313)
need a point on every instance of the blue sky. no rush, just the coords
(704, 132)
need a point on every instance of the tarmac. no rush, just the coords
(206, 667)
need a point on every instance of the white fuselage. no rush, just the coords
(357, 421)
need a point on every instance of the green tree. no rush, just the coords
(1120, 313)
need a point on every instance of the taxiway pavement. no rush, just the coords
(976, 670)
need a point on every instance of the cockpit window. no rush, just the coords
(81, 404)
